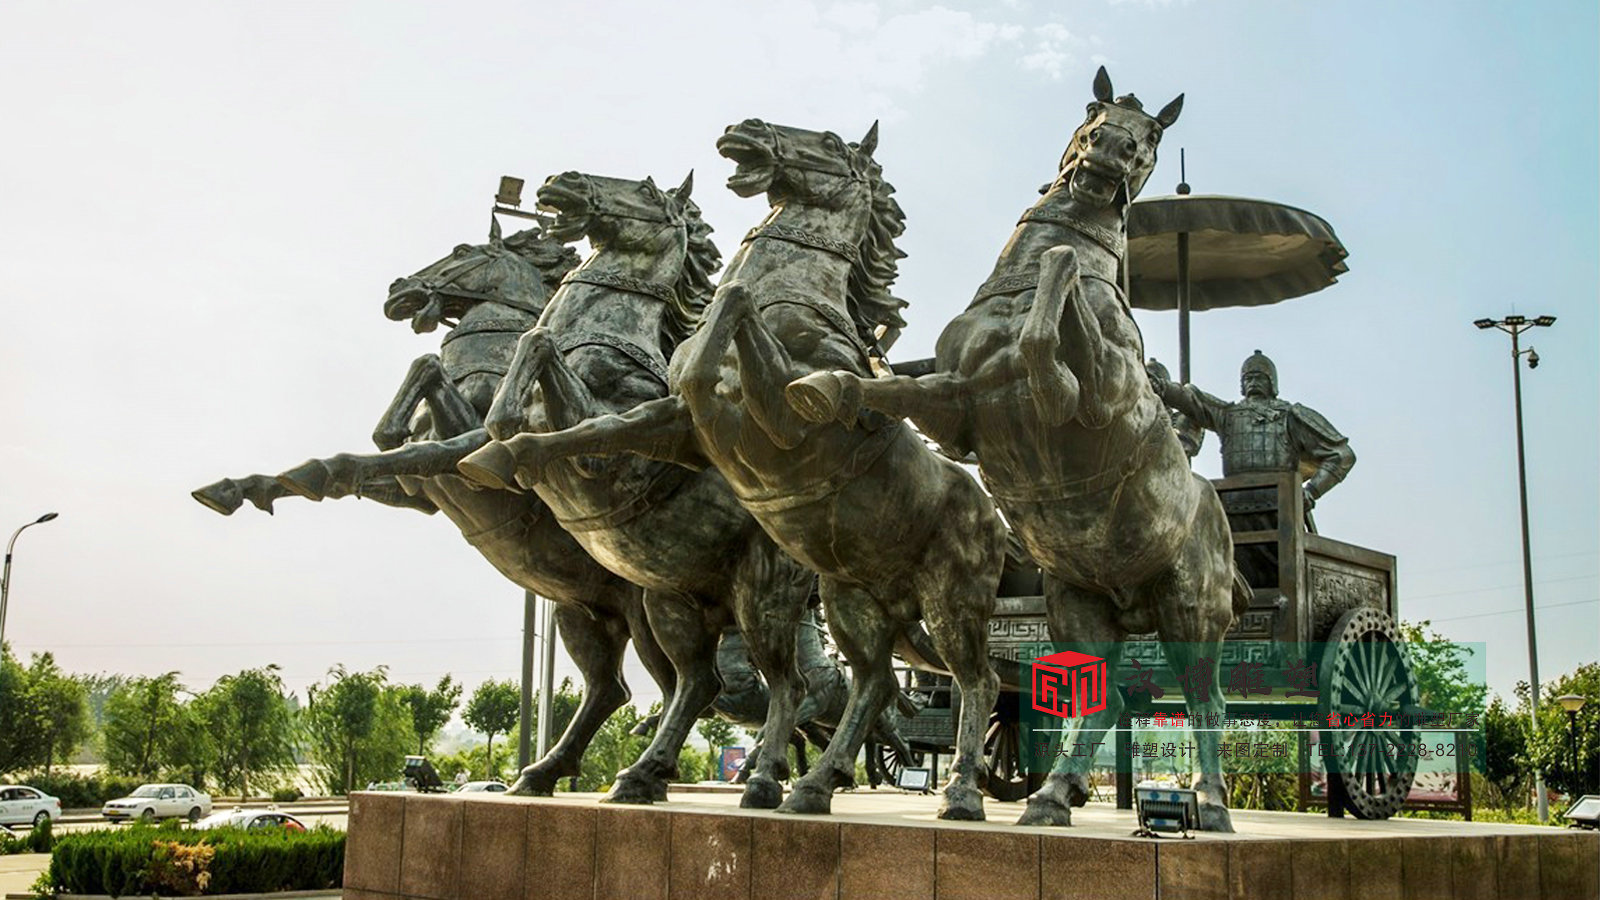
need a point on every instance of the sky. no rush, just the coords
(202, 206)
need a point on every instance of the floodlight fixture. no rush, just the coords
(1165, 808)
(1514, 321)
(1484, 323)
(1545, 321)
(916, 780)
(1585, 813)
(510, 193)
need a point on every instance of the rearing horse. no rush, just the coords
(488, 295)
(895, 532)
(1043, 377)
(602, 346)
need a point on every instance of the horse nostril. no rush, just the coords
(1095, 134)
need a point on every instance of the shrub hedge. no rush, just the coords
(36, 840)
(143, 859)
(80, 791)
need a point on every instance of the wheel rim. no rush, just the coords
(1002, 755)
(41, 818)
(1366, 669)
(891, 762)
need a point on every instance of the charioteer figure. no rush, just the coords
(1261, 433)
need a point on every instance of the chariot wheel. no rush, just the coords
(1002, 754)
(1366, 670)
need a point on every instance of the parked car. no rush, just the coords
(23, 805)
(239, 817)
(159, 801)
(490, 787)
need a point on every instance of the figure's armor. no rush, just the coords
(1255, 438)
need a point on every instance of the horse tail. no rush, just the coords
(1242, 592)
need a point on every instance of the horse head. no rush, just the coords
(520, 272)
(1113, 152)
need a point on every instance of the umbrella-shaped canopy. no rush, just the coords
(1205, 251)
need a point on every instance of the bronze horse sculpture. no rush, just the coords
(488, 294)
(601, 346)
(895, 532)
(1043, 377)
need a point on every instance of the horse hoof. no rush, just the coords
(309, 480)
(815, 397)
(492, 466)
(1043, 810)
(1215, 817)
(808, 799)
(223, 497)
(534, 782)
(631, 788)
(962, 807)
(762, 792)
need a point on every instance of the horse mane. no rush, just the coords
(551, 257)
(691, 293)
(868, 296)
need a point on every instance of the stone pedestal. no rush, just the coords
(888, 846)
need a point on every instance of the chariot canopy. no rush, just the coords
(1208, 251)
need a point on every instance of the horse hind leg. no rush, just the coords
(1088, 620)
(596, 645)
(770, 592)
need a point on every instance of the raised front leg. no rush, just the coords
(229, 494)
(765, 371)
(345, 474)
(1055, 387)
(939, 403)
(660, 429)
(425, 380)
(596, 644)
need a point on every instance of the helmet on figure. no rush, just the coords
(1258, 365)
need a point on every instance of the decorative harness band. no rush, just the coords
(1027, 280)
(846, 251)
(865, 454)
(628, 283)
(1050, 491)
(646, 360)
(1112, 241)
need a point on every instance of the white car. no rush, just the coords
(250, 818)
(159, 801)
(23, 805)
(487, 787)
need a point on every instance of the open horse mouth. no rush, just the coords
(756, 163)
(1095, 183)
(414, 299)
(571, 209)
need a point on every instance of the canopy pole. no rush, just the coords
(1183, 307)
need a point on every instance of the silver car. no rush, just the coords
(159, 801)
(23, 805)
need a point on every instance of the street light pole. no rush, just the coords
(5, 579)
(1515, 326)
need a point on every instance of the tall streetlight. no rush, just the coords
(1572, 703)
(5, 579)
(1515, 326)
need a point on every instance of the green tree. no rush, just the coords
(717, 732)
(60, 708)
(493, 710)
(358, 729)
(614, 748)
(1444, 682)
(1567, 751)
(147, 728)
(1505, 758)
(430, 710)
(248, 719)
(19, 740)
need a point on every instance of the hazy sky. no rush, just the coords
(202, 205)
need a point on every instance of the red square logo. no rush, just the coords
(1069, 684)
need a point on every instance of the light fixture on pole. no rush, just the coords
(1515, 326)
(5, 579)
(1572, 703)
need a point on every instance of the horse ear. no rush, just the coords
(1169, 113)
(1102, 86)
(870, 142)
(685, 189)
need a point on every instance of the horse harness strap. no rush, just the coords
(866, 453)
(667, 480)
(843, 249)
(1112, 241)
(627, 283)
(572, 340)
(1111, 477)
(1028, 279)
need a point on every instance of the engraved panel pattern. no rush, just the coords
(1335, 587)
